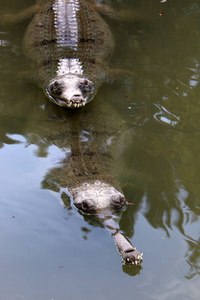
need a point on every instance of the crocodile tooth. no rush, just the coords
(136, 262)
(133, 263)
(127, 259)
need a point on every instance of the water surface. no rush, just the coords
(49, 251)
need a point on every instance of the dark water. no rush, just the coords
(50, 252)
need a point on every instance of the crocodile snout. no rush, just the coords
(77, 100)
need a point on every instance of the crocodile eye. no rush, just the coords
(56, 88)
(87, 205)
(86, 86)
(86, 82)
(118, 201)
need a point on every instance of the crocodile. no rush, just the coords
(68, 43)
(87, 174)
(68, 46)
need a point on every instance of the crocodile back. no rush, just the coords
(67, 37)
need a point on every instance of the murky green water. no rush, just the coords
(50, 252)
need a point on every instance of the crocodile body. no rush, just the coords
(68, 45)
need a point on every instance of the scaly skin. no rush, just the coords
(68, 45)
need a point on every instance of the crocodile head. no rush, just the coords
(70, 91)
(98, 197)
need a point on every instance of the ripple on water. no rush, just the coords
(165, 116)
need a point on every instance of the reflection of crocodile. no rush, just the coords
(87, 170)
(68, 45)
